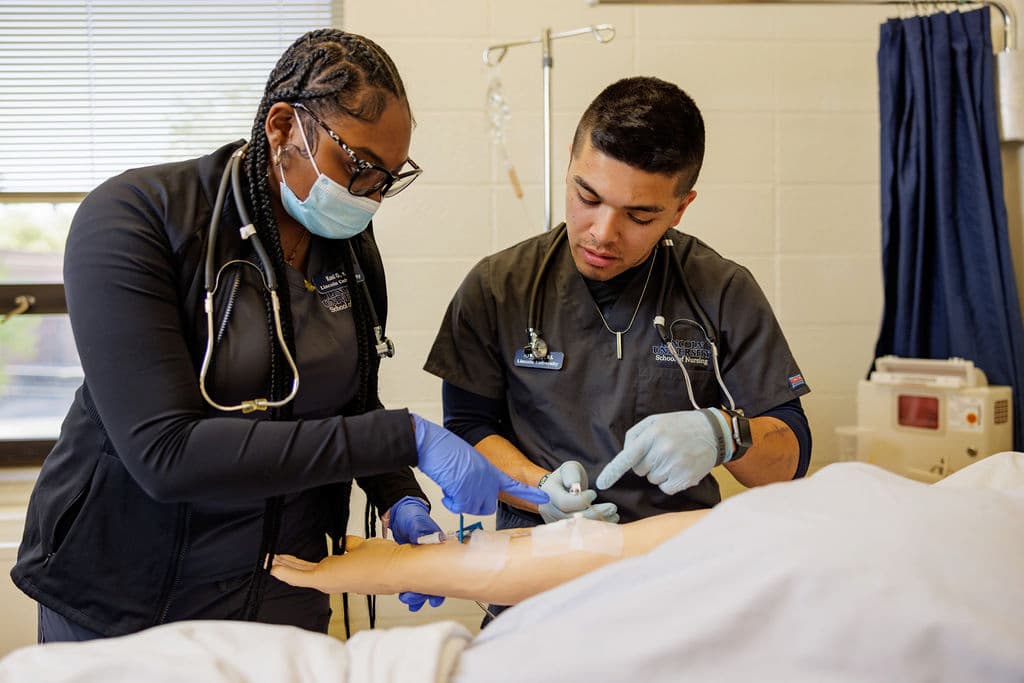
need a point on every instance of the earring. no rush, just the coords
(277, 156)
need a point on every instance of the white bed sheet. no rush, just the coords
(854, 574)
(232, 652)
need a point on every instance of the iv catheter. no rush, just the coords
(461, 534)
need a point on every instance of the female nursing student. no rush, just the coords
(200, 293)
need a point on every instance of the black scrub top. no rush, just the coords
(582, 411)
(223, 537)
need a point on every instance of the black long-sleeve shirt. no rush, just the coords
(111, 519)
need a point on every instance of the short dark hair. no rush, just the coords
(649, 124)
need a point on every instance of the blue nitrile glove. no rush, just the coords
(409, 519)
(564, 504)
(469, 481)
(415, 601)
(673, 450)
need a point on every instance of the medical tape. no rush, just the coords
(487, 551)
(576, 534)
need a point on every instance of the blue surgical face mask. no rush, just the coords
(330, 210)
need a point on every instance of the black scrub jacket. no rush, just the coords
(582, 412)
(150, 505)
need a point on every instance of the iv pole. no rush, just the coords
(603, 33)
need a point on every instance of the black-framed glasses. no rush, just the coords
(368, 178)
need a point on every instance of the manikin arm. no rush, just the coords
(503, 567)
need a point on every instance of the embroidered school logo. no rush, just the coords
(795, 381)
(333, 290)
(693, 352)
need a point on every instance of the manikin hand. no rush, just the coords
(563, 503)
(673, 450)
(362, 569)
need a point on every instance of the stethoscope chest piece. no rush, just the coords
(537, 348)
(537, 355)
(385, 347)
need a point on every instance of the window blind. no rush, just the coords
(94, 87)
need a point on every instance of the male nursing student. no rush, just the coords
(607, 401)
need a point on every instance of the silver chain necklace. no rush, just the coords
(618, 333)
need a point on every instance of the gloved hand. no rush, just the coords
(409, 519)
(469, 481)
(673, 450)
(564, 504)
(415, 601)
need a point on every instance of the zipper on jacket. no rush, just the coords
(178, 564)
(235, 284)
(62, 526)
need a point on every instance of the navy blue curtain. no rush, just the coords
(949, 281)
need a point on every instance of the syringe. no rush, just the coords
(443, 536)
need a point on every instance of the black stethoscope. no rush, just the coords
(384, 346)
(538, 349)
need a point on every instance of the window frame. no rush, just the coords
(49, 300)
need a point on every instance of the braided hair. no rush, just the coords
(333, 73)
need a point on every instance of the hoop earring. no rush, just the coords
(277, 155)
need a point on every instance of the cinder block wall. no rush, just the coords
(789, 187)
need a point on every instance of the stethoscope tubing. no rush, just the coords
(247, 231)
(536, 305)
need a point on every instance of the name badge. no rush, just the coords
(334, 291)
(552, 362)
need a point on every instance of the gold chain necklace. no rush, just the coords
(618, 333)
(295, 250)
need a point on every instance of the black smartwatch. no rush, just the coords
(742, 439)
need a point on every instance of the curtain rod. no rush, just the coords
(1009, 20)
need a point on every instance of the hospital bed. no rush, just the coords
(854, 574)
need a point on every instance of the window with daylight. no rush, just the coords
(92, 88)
